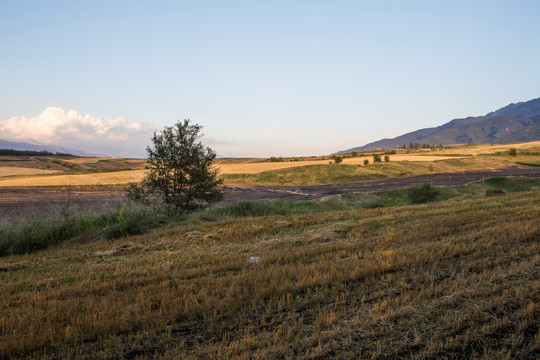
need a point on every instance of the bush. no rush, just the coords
(386, 158)
(377, 158)
(422, 193)
(366, 162)
(125, 226)
(337, 159)
(512, 152)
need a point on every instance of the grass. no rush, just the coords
(40, 234)
(453, 279)
(36, 235)
(342, 173)
(292, 171)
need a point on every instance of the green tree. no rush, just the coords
(337, 159)
(386, 158)
(377, 158)
(366, 161)
(180, 177)
(512, 152)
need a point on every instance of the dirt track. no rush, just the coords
(267, 193)
(18, 203)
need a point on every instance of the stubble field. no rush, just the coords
(458, 278)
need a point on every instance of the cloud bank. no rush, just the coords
(71, 129)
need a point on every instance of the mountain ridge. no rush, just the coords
(18, 145)
(516, 122)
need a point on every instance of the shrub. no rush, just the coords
(377, 158)
(512, 152)
(366, 162)
(337, 159)
(422, 193)
(125, 226)
(386, 158)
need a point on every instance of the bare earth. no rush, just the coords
(18, 202)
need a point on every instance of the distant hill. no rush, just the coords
(513, 123)
(21, 146)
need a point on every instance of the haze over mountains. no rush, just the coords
(19, 145)
(513, 123)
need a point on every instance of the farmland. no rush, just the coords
(456, 279)
(91, 172)
(346, 270)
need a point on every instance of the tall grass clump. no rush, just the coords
(422, 193)
(41, 234)
(512, 184)
(259, 208)
(126, 225)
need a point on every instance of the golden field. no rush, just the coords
(458, 279)
(8, 171)
(105, 171)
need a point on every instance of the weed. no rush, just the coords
(422, 193)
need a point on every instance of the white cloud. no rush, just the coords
(69, 128)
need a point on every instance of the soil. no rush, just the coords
(21, 203)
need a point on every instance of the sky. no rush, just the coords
(264, 78)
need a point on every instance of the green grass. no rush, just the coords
(513, 184)
(40, 234)
(343, 173)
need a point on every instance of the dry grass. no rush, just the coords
(450, 280)
(106, 178)
(17, 171)
(256, 168)
(478, 149)
(455, 158)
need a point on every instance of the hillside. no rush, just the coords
(513, 123)
(456, 279)
(22, 146)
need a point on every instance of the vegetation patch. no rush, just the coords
(457, 279)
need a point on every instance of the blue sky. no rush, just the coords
(264, 78)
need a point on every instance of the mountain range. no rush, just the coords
(513, 123)
(15, 145)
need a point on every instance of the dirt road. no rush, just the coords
(36, 202)
(267, 193)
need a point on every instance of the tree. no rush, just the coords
(377, 158)
(386, 158)
(337, 159)
(366, 162)
(512, 152)
(180, 176)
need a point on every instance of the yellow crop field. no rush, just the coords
(17, 170)
(107, 178)
(452, 158)
(255, 168)
(478, 149)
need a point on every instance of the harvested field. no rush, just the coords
(447, 280)
(20, 203)
(17, 171)
(255, 168)
(92, 179)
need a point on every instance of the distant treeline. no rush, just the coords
(416, 146)
(11, 152)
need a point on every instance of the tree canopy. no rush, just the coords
(180, 176)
